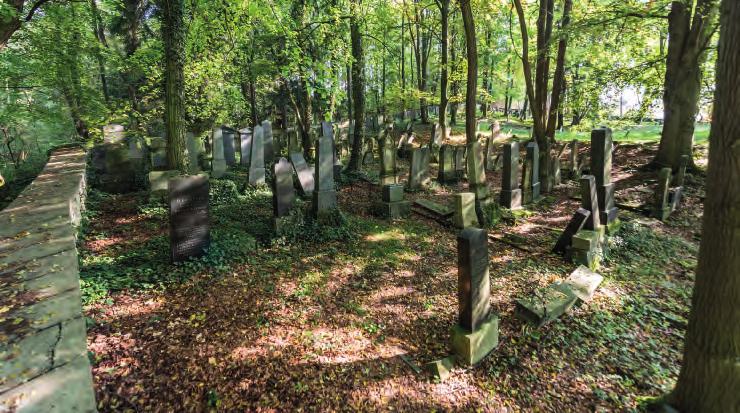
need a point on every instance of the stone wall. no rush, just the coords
(43, 352)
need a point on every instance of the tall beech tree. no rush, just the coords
(471, 90)
(710, 375)
(444, 12)
(689, 38)
(358, 86)
(173, 36)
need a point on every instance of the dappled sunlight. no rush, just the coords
(388, 235)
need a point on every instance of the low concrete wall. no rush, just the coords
(43, 352)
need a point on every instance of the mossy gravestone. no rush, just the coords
(305, 175)
(446, 174)
(387, 161)
(229, 147)
(190, 233)
(476, 332)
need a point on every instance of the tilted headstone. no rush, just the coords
(324, 194)
(229, 149)
(465, 214)
(245, 147)
(219, 163)
(476, 171)
(447, 173)
(476, 331)
(531, 175)
(190, 234)
(387, 161)
(419, 172)
(267, 143)
(601, 168)
(193, 144)
(574, 225)
(257, 163)
(304, 173)
(661, 204)
(511, 194)
(590, 202)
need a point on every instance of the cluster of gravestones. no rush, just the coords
(669, 190)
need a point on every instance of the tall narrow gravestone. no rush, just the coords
(476, 332)
(419, 173)
(601, 168)
(193, 152)
(476, 172)
(245, 147)
(257, 164)
(190, 234)
(511, 195)
(531, 176)
(589, 201)
(460, 161)
(229, 149)
(219, 163)
(324, 195)
(661, 206)
(387, 161)
(447, 173)
(575, 167)
(283, 193)
(267, 142)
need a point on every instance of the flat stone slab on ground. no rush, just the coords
(553, 301)
(439, 209)
(584, 282)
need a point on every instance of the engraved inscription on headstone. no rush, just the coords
(189, 217)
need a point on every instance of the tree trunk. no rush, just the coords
(99, 31)
(358, 90)
(472, 80)
(688, 40)
(455, 84)
(444, 9)
(173, 35)
(710, 374)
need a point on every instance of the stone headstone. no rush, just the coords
(590, 202)
(228, 135)
(465, 214)
(531, 175)
(584, 282)
(446, 173)
(574, 225)
(419, 172)
(324, 194)
(283, 193)
(257, 163)
(575, 167)
(387, 161)
(460, 161)
(267, 142)
(601, 168)
(113, 133)
(219, 163)
(245, 147)
(190, 234)
(476, 171)
(305, 175)
(392, 204)
(679, 178)
(193, 152)
(476, 332)
(159, 183)
(661, 204)
(511, 195)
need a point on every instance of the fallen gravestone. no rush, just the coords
(576, 224)
(303, 172)
(190, 234)
(443, 211)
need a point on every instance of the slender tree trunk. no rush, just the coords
(710, 374)
(358, 89)
(349, 91)
(99, 31)
(688, 39)
(173, 35)
(444, 8)
(472, 81)
(455, 84)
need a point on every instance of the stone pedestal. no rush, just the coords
(392, 205)
(472, 347)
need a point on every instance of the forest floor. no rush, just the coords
(329, 319)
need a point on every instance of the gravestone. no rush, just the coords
(511, 194)
(661, 204)
(392, 204)
(193, 152)
(531, 175)
(601, 168)
(113, 133)
(257, 163)
(589, 201)
(460, 161)
(575, 167)
(158, 153)
(267, 142)
(419, 172)
(190, 234)
(446, 173)
(159, 182)
(229, 150)
(476, 331)
(219, 163)
(490, 148)
(324, 194)
(574, 225)
(465, 215)
(245, 147)
(283, 193)
(555, 171)
(476, 172)
(387, 161)
(680, 177)
(304, 173)
(294, 144)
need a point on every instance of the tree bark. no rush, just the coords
(444, 9)
(710, 375)
(173, 35)
(358, 89)
(99, 31)
(688, 39)
(472, 78)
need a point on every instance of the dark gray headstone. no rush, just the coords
(601, 168)
(576, 224)
(460, 161)
(229, 149)
(267, 142)
(590, 201)
(283, 193)
(245, 146)
(473, 284)
(219, 163)
(476, 171)
(446, 173)
(511, 195)
(531, 181)
(305, 175)
(324, 195)
(189, 218)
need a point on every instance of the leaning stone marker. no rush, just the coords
(190, 234)
(511, 195)
(283, 193)
(576, 224)
(219, 163)
(661, 206)
(305, 176)
(476, 332)
(257, 163)
(476, 172)
(387, 161)
(584, 282)
(589, 201)
(531, 180)
(267, 143)
(324, 195)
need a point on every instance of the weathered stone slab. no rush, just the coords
(392, 193)
(601, 168)
(388, 170)
(531, 175)
(447, 173)
(419, 173)
(476, 171)
(193, 144)
(324, 195)
(440, 369)
(584, 282)
(190, 234)
(158, 181)
(218, 164)
(511, 195)
(661, 205)
(228, 135)
(473, 282)
(590, 201)
(574, 225)
(267, 143)
(113, 133)
(465, 215)
(546, 305)
(257, 163)
(245, 147)
(439, 209)
(283, 193)
(305, 175)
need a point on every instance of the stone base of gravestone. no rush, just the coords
(471, 348)
(441, 369)
(392, 205)
(511, 199)
(547, 305)
(586, 248)
(158, 184)
(324, 201)
(388, 180)
(465, 215)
